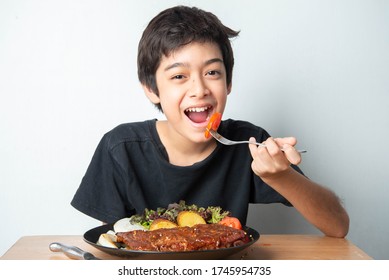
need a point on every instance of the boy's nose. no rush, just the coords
(198, 88)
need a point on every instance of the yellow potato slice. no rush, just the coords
(162, 223)
(189, 219)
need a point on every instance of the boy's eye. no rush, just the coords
(178, 77)
(212, 72)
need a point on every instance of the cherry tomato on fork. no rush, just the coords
(231, 222)
(214, 122)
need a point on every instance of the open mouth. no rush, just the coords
(198, 114)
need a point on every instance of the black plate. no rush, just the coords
(92, 235)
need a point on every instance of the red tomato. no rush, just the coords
(231, 222)
(214, 122)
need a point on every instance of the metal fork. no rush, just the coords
(226, 141)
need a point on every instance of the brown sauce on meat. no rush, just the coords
(198, 237)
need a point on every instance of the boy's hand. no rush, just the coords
(271, 161)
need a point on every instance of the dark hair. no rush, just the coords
(174, 28)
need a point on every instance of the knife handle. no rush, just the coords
(72, 252)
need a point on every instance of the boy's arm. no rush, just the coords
(318, 205)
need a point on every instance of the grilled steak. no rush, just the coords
(198, 237)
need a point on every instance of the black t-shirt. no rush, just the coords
(130, 171)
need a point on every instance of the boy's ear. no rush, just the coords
(151, 95)
(229, 88)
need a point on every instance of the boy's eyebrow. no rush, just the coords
(213, 60)
(181, 64)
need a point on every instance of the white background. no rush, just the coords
(318, 70)
(193, 269)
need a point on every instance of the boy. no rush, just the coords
(185, 64)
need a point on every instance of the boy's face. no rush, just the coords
(192, 86)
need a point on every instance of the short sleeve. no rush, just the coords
(98, 194)
(263, 193)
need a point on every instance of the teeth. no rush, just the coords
(197, 109)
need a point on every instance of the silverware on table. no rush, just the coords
(226, 141)
(72, 252)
